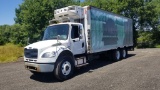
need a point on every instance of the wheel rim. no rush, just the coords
(66, 68)
(124, 53)
(117, 55)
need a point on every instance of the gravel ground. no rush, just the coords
(140, 71)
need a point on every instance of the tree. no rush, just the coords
(156, 20)
(4, 34)
(18, 35)
(13, 34)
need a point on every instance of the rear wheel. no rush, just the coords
(116, 55)
(64, 68)
(123, 53)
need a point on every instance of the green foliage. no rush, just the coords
(4, 34)
(15, 34)
(145, 40)
(18, 35)
(10, 53)
(157, 46)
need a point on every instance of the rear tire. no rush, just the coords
(123, 53)
(116, 55)
(64, 69)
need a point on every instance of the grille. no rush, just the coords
(31, 53)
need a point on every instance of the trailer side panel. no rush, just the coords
(109, 31)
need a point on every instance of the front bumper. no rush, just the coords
(39, 67)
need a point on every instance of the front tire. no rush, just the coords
(64, 69)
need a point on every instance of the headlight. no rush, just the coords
(49, 54)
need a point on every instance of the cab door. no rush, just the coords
(77, 39)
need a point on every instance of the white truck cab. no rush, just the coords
(55, 53)
(41, 56)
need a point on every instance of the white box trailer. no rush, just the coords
(107, 30)
(79, 35)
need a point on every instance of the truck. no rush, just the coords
(76, 36)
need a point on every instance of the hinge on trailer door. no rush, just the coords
(89, 41)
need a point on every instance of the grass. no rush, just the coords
(10, 53)
(157, 46)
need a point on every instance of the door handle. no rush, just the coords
(82, 44)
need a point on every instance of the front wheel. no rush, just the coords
(64, 68)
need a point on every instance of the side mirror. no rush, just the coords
(58, 37)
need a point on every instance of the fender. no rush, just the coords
(58, 50)
(65, 53)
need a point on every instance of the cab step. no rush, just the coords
(80, 65)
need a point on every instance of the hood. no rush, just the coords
(42, 44)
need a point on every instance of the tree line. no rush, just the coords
(32, 17)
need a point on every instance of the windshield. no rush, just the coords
(53, 31)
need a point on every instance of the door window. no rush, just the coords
(75, 32)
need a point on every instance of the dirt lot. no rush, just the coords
(140, 71)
